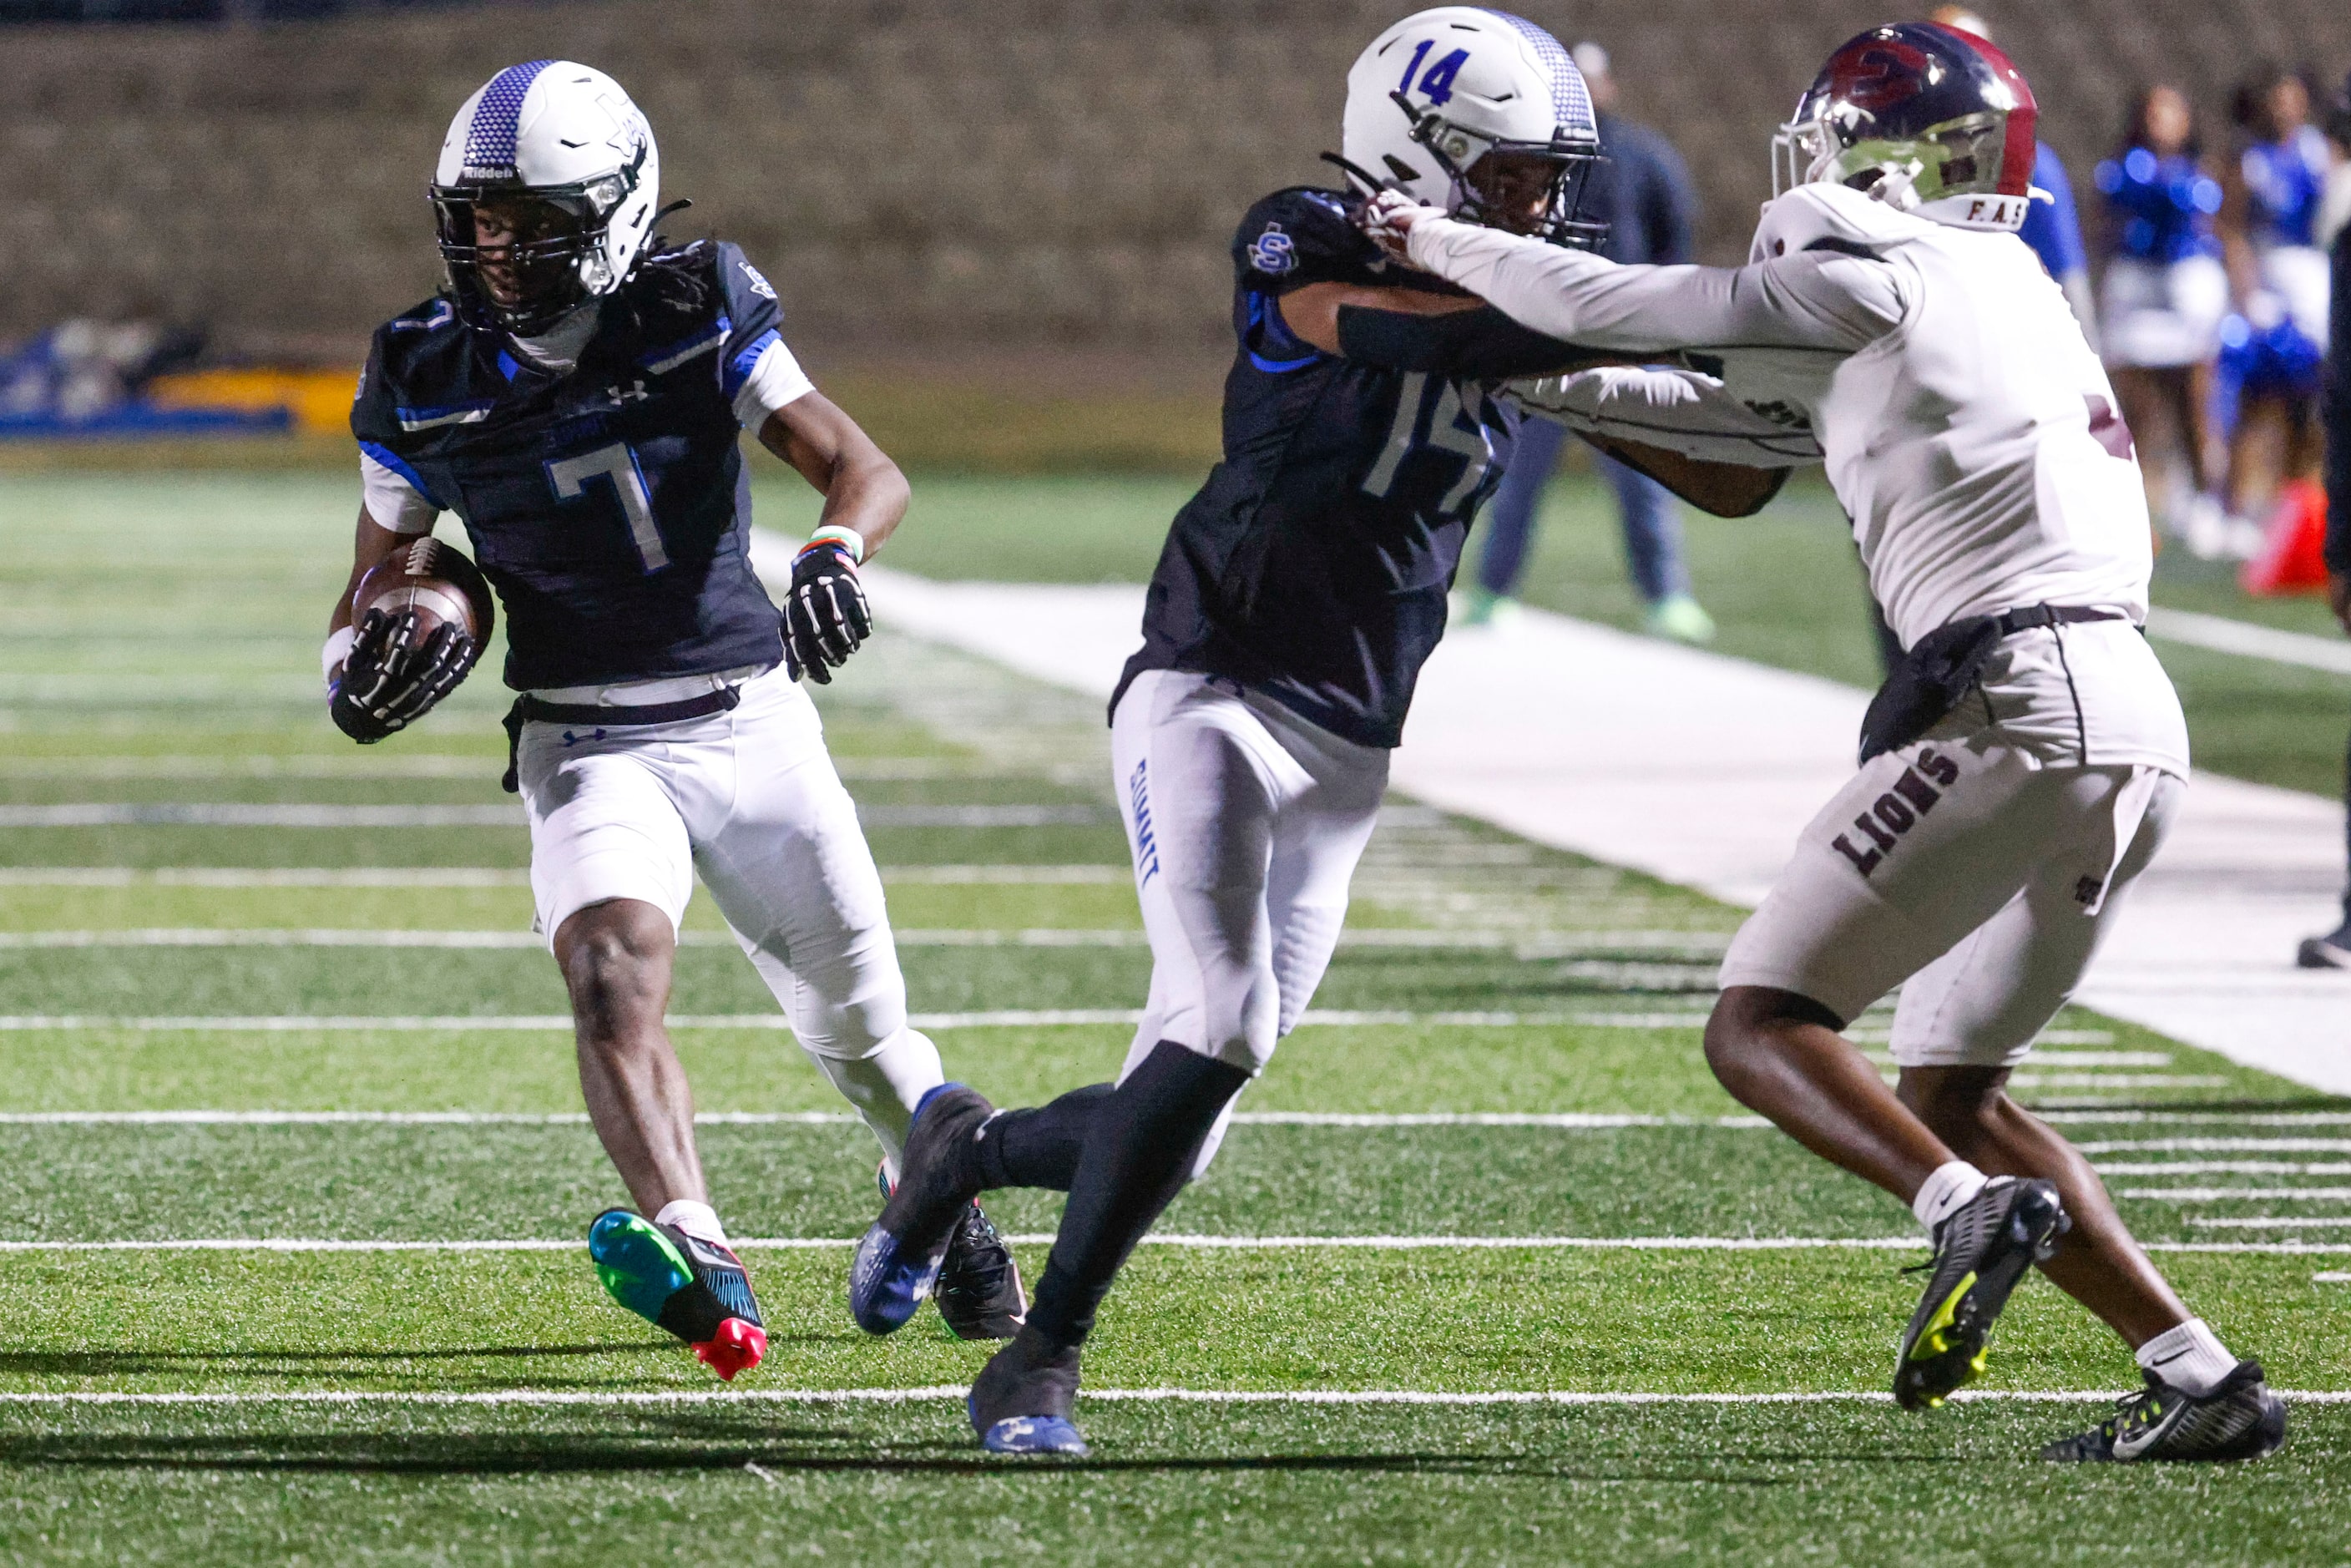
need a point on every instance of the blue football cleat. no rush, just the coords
(1034, 1435)
(898, 1258)
(1023, 1399)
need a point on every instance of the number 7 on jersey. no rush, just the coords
(618, 465)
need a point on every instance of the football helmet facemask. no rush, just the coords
(1927, 118)
(546, 194)
(1480, 113)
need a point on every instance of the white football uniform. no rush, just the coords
(1973, 438)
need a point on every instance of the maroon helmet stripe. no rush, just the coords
(2021, 145)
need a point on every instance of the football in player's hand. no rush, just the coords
(439, 584)
(421, 616)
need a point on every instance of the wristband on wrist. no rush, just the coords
(337, 649)
(848, 539)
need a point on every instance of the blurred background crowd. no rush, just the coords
(1002, 230)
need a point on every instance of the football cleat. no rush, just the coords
(2240, 1419)
(2332, 951)
(1021, 1401)
(978, 1289)
(695, 1288)
(898, 1258)
(1981, 1250)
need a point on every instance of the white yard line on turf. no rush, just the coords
(216, 814)
(1560, 1121)
(2223, 634)
(1176, 1240)
(2225, 1193)
(957, 1392)
(1561, 945)
(483, 877)
(1701, 769)
(2295, 1223)
(1009, 1019)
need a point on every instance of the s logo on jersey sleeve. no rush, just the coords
(759, 285)
(1274, 252)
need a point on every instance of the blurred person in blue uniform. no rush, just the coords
(1646, 189)
(2333, 951)
(2052, 228)
(2164, 298)
(2272, 344)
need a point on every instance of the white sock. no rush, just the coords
(886, 1086)
(2191, 1356)
(697, 1220)
(1946, 1188)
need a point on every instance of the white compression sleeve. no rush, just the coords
(1807, 299)
(776, 380)
(1678, 411)
(393, 503)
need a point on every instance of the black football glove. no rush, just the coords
(825, 613)
(391, 679)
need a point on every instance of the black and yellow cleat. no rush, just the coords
(1982, 1251)
(978, 1292)
(2240, 1419)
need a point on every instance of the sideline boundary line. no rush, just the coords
(558, 1397)
(1190, 1243)
(1558, 1121)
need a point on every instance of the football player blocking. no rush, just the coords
(576, 396)
(1298, 595)
(2020, 766)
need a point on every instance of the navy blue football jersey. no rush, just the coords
(609, 505)
(1314, 563)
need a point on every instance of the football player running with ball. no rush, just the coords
(2020, 765)
(576, 396)
(1295, 601)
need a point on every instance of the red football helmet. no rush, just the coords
(1926, 118)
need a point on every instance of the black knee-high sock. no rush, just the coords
(1038, 1147)
(1138, 1154)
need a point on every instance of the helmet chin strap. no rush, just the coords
(1898, 188)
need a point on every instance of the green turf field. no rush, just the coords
(1491, 1271)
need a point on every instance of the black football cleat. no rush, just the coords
(1023, 1400)
(2240, 1419)
(695, 1288)
(897, 1262)
(2332, 951)
(978, 1292)
(1982, 1251)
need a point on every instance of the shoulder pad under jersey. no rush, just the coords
(1847, 220)
(1302, 236)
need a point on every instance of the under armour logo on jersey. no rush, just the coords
(759, 285)
(1273, 252)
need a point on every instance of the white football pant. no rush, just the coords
(749, 798)
(1967, 873)
(1245, 823)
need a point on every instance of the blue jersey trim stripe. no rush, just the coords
(386, 456)
(1270, 324)
(415, 419)
(739, 367)
(497, 118)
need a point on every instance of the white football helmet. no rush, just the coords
(1445, 88)
(559, 152)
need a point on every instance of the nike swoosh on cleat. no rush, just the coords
(884, 1288)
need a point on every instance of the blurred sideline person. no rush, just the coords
(577, 395)
(2272, 345)
(2019, 769)
(2333, 951)
(1298, 594)
(2164, 298)
(2052, 228)
(1651, 204)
